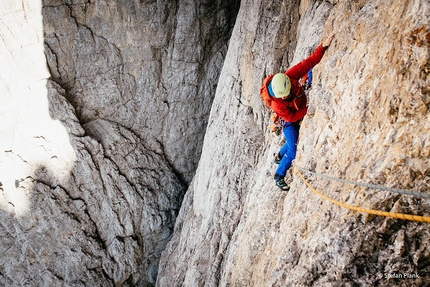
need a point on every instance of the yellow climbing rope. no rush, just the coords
(410, 217)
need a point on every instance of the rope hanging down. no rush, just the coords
(410, 217)
(373, 186)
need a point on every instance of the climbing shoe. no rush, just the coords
(282, 184)
(278, 158)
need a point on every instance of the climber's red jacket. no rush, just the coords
(295, 107)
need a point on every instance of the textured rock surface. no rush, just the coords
(371, 124)
(104, 107)
(150, 66)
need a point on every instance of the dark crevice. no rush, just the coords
(181, 178)
(71, 83)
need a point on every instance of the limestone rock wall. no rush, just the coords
(104, 108)
(146, 65)
(370, 124)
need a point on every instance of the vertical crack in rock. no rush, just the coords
(235, 228)
(133, 159)
(100, 168)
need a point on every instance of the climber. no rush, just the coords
(283, 93)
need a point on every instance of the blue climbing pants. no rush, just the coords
(288, 151)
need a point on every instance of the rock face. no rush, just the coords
(370, 101)
(104, 108)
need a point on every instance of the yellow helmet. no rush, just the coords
(281, 85)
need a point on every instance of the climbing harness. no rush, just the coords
(278, 124)
(410, 217)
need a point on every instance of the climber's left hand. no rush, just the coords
(327, 41)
